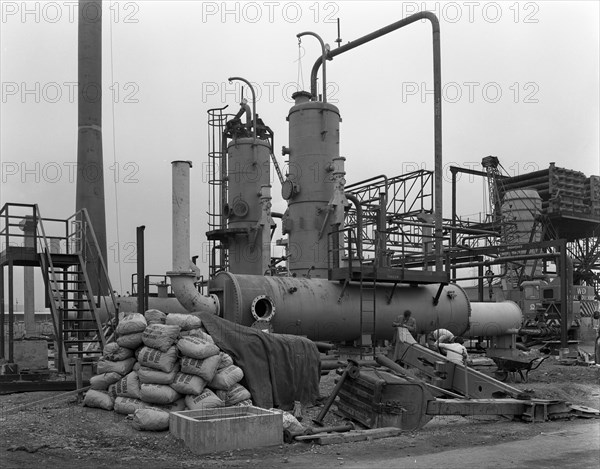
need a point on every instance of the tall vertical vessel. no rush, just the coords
(248, 205)
(314, 152)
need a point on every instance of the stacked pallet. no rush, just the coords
(163, 363)
(563, 191)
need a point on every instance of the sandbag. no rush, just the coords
(160, 336)
(206, 368)
(158, 393)
(98, 399)
(235, 395)
(185, 321)
(200, 332)
(152, 376)
(196, 347)
(115, 353)
(290, 422)
(103, 381)
(206, 400)
(176, 406)
(154, 316)
(128, 386)
(128, 405)
(226, 360)
(188, 384)
(153, 358)
(244, 403)
(131, 323)
(227, 377)
(151, 420)
(123, 367)
(130, 341)
(112, 391)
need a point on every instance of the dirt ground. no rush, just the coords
(65, 434)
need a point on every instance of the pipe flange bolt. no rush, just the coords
(262, 308)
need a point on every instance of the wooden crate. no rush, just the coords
(379, 399)
(224, 429)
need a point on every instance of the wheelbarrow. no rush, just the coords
(512, 366)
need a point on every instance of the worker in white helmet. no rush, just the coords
(456, 352)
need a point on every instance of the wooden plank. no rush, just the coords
(477, 407)
(354, 435)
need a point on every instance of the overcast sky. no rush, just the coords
(521, 81)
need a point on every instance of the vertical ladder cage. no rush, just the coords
(217, 187)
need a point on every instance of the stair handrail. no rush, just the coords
(96, 246)
(38, 222)
(47, 257)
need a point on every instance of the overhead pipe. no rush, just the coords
(323, 60)
(437, 87)
(183, 275)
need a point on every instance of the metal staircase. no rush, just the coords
(79, 330)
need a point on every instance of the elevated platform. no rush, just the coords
(388, 275)
(22, 256)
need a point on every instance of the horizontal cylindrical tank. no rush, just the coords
(313, 145)
(494, 319)
(324, 310)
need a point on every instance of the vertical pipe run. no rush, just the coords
(437, 86)
(564, 285)
(141, 284)
(359, 223)
(11, 315)
(28, 227)
(181, 215)
(381, 231)
(480, 283)
(2, 311)
(323, 61)
(182, 277)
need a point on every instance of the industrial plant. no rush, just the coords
(366, 277)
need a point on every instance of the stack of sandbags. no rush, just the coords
(115, 365)
(130, 329)
(158, 364)
(178, 366)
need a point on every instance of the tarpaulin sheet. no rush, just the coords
(278, 368)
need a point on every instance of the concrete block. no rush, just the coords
(225, 429)
(29, 354)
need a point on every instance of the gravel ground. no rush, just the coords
(65, 434)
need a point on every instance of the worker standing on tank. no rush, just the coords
(408, 322)
(456, 352)
(245, 109)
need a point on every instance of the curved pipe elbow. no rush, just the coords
(182, 284)
(428, 15)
